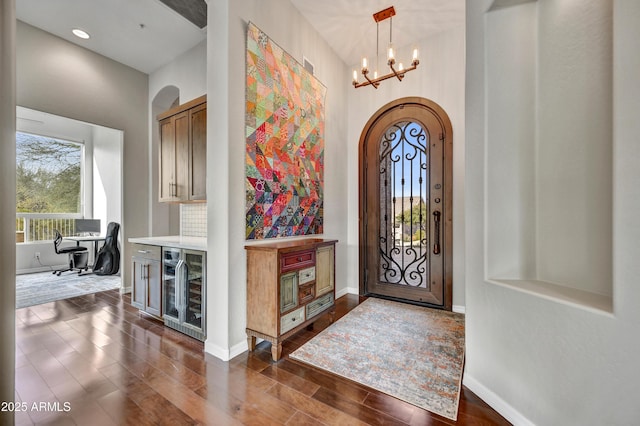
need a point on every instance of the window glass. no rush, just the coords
(48, 184)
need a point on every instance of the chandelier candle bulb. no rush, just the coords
(400, 67)
(364, 63)
(415, 55)
(355, 76)
(390, 55)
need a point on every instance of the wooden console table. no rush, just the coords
(289, 285)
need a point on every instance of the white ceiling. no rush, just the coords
(349, 28)
(115, 28)
(146, 34)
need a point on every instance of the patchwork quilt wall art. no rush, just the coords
(284, 170)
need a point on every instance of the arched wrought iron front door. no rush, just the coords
(405, 203)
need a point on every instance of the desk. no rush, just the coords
(91, 238)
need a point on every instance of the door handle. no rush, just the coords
(178, 285)
(436, 232)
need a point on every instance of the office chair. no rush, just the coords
(78, 255)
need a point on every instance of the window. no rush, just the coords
(48, 186)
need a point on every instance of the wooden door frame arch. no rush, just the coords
(395, 107)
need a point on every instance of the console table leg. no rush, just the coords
(251, 342)
(276, 350)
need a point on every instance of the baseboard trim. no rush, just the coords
(226, 354)
(460, 309)
(497, 403)
(40, 269)
(347, 290)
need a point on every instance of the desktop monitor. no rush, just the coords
(87, 226)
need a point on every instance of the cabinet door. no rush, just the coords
(174, 157)
(138, 292)
(288, 291)
(181, 122)
(154, 288)
(195, 289)
(197, 167)
(167, 159)
(325, 259)
(170, 287)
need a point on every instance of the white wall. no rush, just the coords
(226, 47)
(574, 144)
(439, 77)
(107, 180)
(62, 78)
(186, 78)
(511, 138)
(534, 359)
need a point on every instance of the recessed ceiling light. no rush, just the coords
(80, 33)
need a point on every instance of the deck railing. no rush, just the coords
(34, 227)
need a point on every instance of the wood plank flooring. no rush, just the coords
(94, 360)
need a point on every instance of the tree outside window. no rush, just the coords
(48, 181)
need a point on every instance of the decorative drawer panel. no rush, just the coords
(319, 305)
(306, 293)
(291, 320)
(288, 291)
(306, 275)
(297, 260)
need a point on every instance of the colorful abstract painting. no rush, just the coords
(284, 142)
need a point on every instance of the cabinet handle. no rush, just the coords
(144, 251)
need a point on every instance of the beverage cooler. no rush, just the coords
(184, 278)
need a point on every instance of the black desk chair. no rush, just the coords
(78, 255)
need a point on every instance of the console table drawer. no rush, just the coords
(319, 305)
(306, 275)
(297, 260)
(306, 292)
(291, 320)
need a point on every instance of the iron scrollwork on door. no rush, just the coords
(404, 183)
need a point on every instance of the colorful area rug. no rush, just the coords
(412, 353)
(44, 287)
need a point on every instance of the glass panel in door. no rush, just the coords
(195, 291)
(170, 259)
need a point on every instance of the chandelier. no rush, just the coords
(387, 13)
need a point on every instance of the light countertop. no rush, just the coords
(191, 243)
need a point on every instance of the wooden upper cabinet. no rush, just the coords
(183, 152)
(198, 153)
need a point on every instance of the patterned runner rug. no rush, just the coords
(412, 353)
(43, 287)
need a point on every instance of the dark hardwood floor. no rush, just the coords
(94, 360)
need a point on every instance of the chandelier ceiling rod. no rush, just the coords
(387, 13)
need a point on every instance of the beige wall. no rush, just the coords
(61, 78)
(7, 205)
